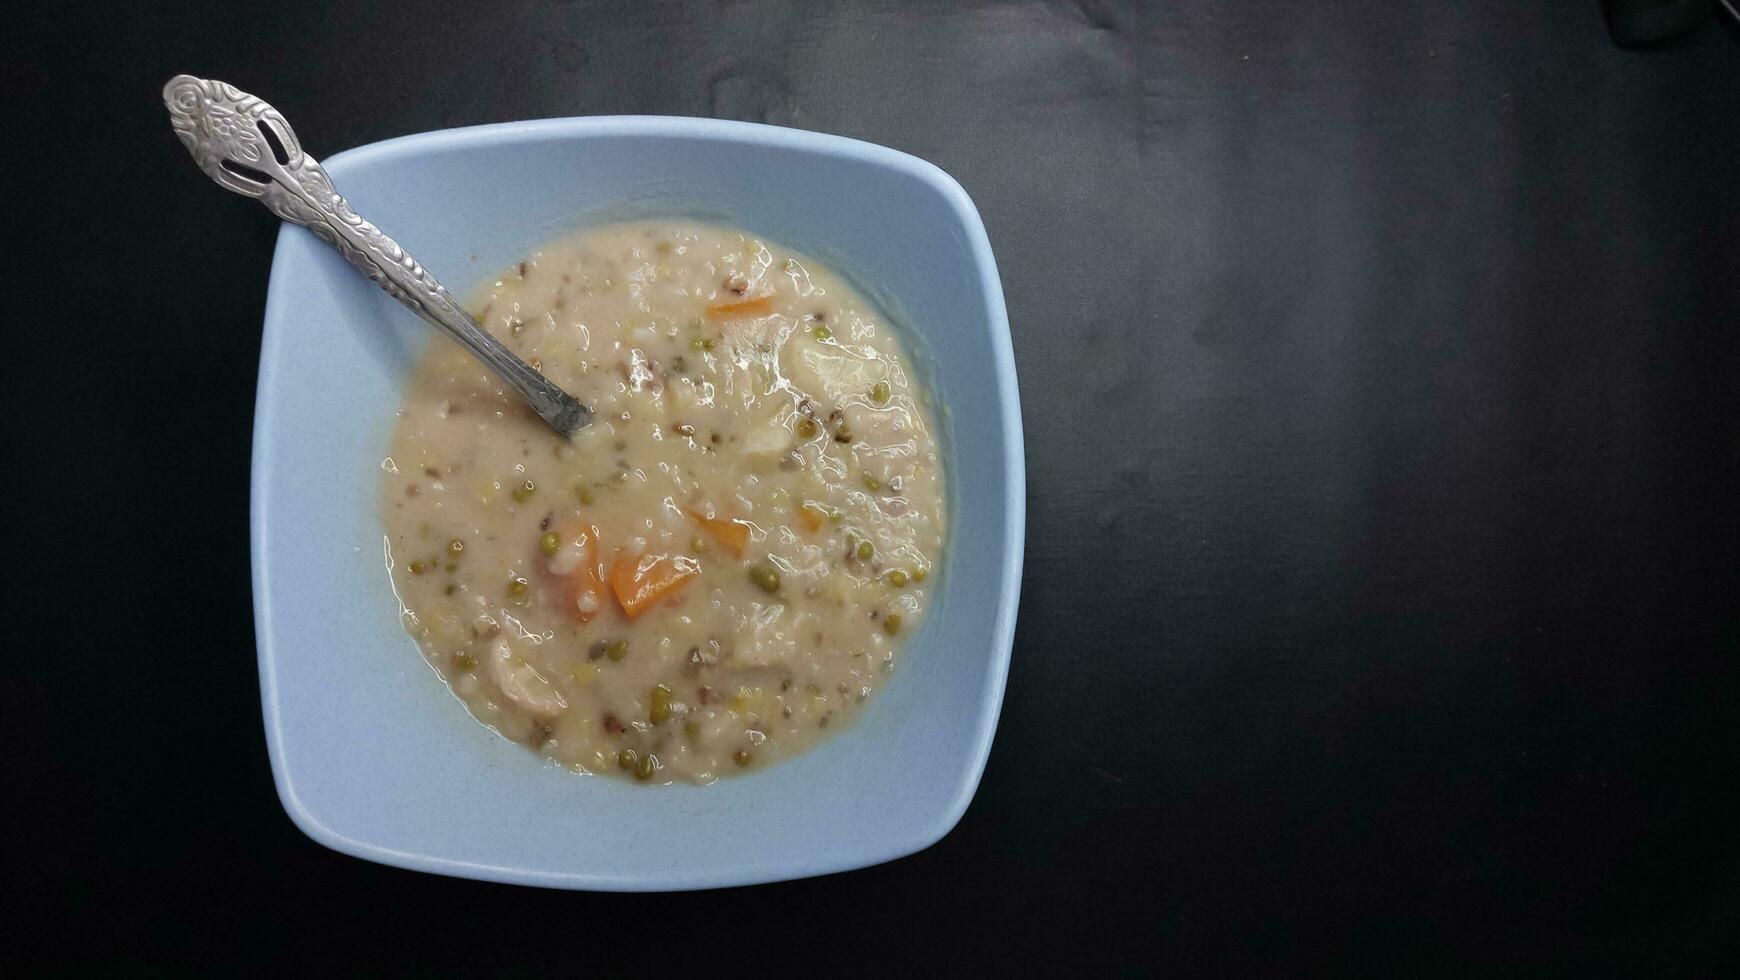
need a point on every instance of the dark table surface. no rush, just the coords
(1380, 366)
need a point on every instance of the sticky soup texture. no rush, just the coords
(721, 569)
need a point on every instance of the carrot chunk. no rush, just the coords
(734, 535)
(581, 591)
(812, 515)
(641, 581)
(760, 306)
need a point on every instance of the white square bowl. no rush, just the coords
(372, 755)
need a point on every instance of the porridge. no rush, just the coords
(720, 569)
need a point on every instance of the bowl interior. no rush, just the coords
(372, 755)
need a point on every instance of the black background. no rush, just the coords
(1379, 372)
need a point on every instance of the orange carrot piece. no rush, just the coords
(812, 515)
(589, 577)
(734, 535)
(639, 582)
(760, 306)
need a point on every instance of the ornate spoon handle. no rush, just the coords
(247, 147)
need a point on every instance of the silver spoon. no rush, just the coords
(247, 147)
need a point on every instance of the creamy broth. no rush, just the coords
(721, 568)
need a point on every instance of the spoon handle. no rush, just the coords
(247, 147)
